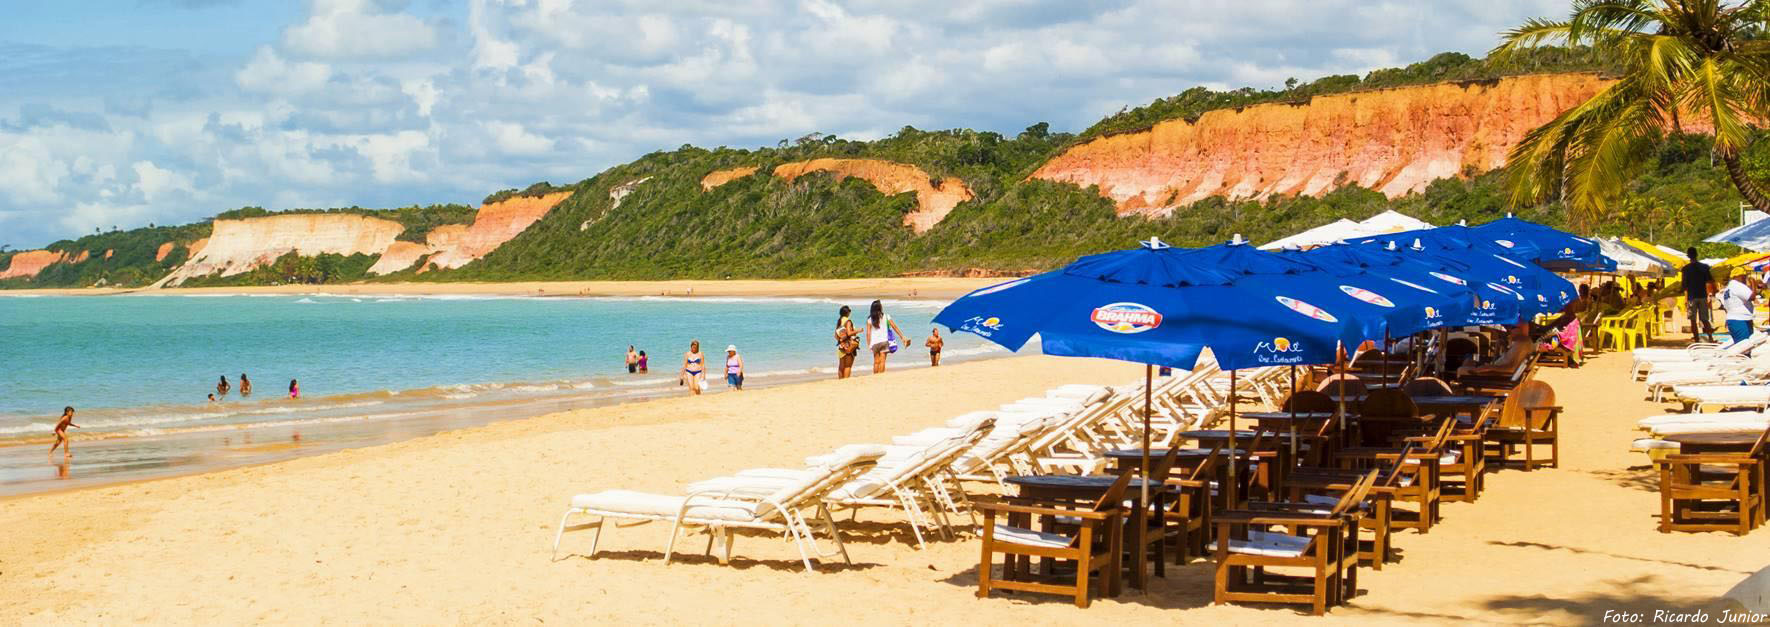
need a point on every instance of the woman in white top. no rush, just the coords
(883, 336)
(1736, 300)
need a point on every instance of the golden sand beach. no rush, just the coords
(456, 527)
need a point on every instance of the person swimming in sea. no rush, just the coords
(211, 397)
(222, 387)
(294, 389)
(643, 363)
(61, 434)
(245, 386)
(694, 368)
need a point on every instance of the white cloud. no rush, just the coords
(268, 72)
(514, 139)
(155, 182)
(389, 102)
(355, 29)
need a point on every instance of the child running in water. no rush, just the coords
(61, 434)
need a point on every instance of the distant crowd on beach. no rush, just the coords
(877, 332)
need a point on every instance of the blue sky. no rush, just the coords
(127, 112)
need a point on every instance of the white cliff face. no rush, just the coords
(238, 246)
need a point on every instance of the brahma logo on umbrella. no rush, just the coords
(1366, 296)
(1414, 285)
(1449, 279)
(1126, 317)
(1306, 309)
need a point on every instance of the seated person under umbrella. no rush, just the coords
(1519, 349)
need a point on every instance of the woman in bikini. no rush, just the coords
(847, 343)
(694, 368)
(222, 387)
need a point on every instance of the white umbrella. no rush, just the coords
(1631, 261)
(1319, 236)
(1392, 221)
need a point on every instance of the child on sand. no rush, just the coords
(61, 433)
(934, 343)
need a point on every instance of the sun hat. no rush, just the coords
(731, 348)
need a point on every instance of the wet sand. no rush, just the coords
(906, 287)
(456, 527)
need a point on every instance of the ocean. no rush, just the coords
(138, 368)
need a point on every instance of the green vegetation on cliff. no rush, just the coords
(131, 262)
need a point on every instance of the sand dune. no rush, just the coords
(456, 528)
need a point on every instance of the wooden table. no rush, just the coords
(1286, 459)
(1693, 443)
(1085, 490)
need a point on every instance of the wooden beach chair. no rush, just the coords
(1528, 419)
(1714, 491)
(1324, 544)
(1095, 547)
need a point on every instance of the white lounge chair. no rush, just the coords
(1646, 359)
(1701, 397)
(784, 511)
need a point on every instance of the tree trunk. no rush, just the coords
(1747, 187)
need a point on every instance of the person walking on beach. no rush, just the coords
(245, 386)
(294, 389)
(61, 434)
(1699, 282)
(694, 368)
(643, 368)
(847, 343)
(883, 336)
(934, 343)
(1737, 300)
(222, 387)
(632, 360)
(734, 368)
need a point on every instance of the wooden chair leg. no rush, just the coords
(983, 567)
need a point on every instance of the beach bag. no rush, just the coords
(848, 344)
(890, 341)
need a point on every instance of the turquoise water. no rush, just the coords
(142, 365)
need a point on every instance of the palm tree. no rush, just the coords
(1702, 61)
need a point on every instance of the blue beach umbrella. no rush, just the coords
(1536, 289)
(1549, 247)
(1416, 299)
(1163, 306)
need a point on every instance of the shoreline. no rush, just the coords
(893, 287)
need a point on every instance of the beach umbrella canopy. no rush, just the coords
(1392, 221)
(1751, 236)
(1165, 306)
(1421, 299)
(1544, 245)
(1486, 267)
(1319, 236)
(1630, 260)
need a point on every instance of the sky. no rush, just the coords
(130, 112)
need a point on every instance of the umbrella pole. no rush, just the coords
(1229, 490)
(1340, 394)
(1148, 393)
(1293, 403)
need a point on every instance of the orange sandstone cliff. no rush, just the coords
(933, 201)
(720, 177)
(238, 246)
(1395, 141)
(455, 245)
(31, 262)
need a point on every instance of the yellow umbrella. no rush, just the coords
(1655, 251)
(1742, 259)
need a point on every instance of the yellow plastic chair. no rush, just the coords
(1623, 330)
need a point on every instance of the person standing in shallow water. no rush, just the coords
(222, 387)
(245, 386)
(694, 368)
(934, 344)
(632, 360)
(294, 389)
(847, 343)
(643, 363)
(883, 336)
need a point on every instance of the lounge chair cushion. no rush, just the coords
(1711, 427)
(1268, 544)
(1650, 444)
(969, 419)
(665, 506)
(1029, 537)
